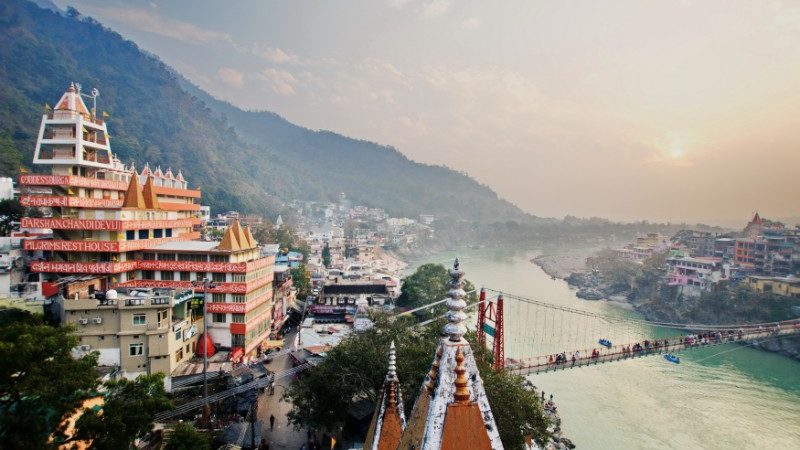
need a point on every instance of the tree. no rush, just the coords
(326, 255)
(186, 437)
(517, 411)
(40, 381)
(428, 284)
(127, 412)
(301, 280)
(285, 236)
(10, 156)
(354, 371)
(10, 211)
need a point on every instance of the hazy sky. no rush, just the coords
(621, 109)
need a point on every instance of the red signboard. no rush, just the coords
(101, 246)
(222, 288)
(65, 180)
(193, 266)
(238, 328)
(234, 308)
(99, 224)
(82, 267)
(71, 246)
(75, 202)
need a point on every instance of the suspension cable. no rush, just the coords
(609, 319)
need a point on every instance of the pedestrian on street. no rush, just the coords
(271, 421)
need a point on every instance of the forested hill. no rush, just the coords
(368, 172)
(251, 161)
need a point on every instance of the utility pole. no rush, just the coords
(207, 285)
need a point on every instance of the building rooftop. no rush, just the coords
(698, 259)
(372, 287)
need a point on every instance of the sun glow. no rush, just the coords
(677, 151)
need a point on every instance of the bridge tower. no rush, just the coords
(490, 321)
(499, 352)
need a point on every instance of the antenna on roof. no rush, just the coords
(95, 94)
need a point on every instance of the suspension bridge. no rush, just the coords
(544, 337)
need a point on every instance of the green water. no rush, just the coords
(725, 397)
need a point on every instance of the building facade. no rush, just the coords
(100, 210)
(139, 330)
(240, 297)
(136, 230)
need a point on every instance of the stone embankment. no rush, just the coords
(788, 347)
(557, 440)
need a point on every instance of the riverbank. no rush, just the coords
(641, 288)
(562, 265)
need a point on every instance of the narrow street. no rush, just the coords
(282, 436)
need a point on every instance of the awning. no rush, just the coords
(236, 354)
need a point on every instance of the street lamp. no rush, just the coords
(206, 284)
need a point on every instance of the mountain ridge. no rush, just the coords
(249, 161)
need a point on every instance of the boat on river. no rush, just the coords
(672, 358)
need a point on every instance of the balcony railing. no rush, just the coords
(134, 302)
(69, 115)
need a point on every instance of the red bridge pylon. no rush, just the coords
(490, 322)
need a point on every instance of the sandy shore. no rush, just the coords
(390, 263)
(561, 266)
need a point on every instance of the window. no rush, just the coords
(191, 257)
(148, 275)
(218, 298)
(136, 350)
(139, 319)
(218, 277)
(218, 258)
(167, 275)
(218, 318)
(149, 256)
(168, 232)
(237, 340)
(144, 234)
(178, 335)
(157, 233)
(239, 298)
(237, 318)
(200, 276)
(239, 278)
(179, 355)
(166, 256)
(130, 235)
(186, 276)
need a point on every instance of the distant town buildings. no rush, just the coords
(765, 255)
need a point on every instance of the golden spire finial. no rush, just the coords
(430, 383)
(462, 393)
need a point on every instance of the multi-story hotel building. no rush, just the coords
(136, 229)
(101, 211)
(240, 299)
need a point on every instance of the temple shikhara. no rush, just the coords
(127, 240)
(451, 411)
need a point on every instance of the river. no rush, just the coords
(726, 397)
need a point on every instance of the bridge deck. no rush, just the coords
(541, 364)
